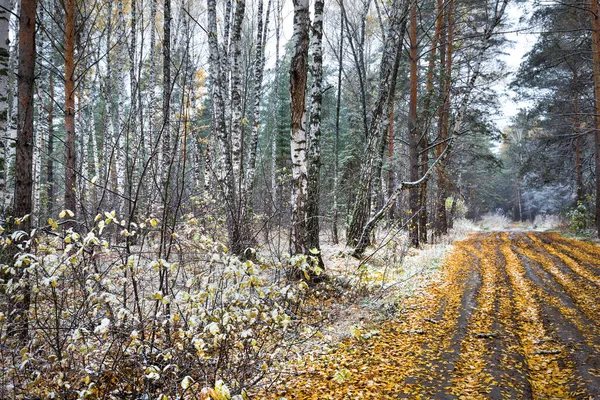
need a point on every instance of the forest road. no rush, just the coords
(514, 315)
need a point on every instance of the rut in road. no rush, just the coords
(514, 315)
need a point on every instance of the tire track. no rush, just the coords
(584, 294)
(565, 322)
(490, 352)
(571, 264)
(535, 335)
(508, 318)
(588, 248)
(442, 350)
(591, 264)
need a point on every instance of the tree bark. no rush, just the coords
(50, 147)
(70, 166)
(413, 146)
(236, 97)
(362, 203)
(595, 16)
(444, 118)
(298, 78)
(4, 96)
(275, 132)
(119, 110)
(166, 105)
(372, 223)
(336, 148)
(18, 306)
(426, 122)
(259, 66)
(10, 128)
(5, 9)
(152, 102)
(578, 144)
(226, 180)
(314, 139)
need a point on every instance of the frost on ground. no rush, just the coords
(372, 289)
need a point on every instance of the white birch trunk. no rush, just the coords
(314, 139)
(5, 7)
(298, 78)
(119, 113)
(152, 102)
(83, 108)
(10, 131)
(227, 183)
(207, 170)
(259, 66)
(40, 130)
(236, 94)
(5, 72)
(275, 133)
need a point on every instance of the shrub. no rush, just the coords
(115, 321)
(577, 218)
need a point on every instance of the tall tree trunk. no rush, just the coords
(578, 144)
(595, 16)
(5, 9)
(166, 106)
(298, 78)
(119, 110)
(336, 145)
(134, 127)
(390, 139)
(314, 139)
(275, 132)
(413, 147)
(40, 131)
(426, 122)
(10, 127)
(18, 306)
(152, 102)
(444, 118)
(378, 124)
(70, 166)
(237, 113)
(259, 67)
(50, 146)
(226, 183)
(93, 138)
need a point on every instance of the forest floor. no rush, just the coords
(510, 315)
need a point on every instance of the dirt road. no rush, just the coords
(513, 316)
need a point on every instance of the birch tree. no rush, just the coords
(5, 9)
(7, 106)
(314, 139)
(226, 178)
(298, 79)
